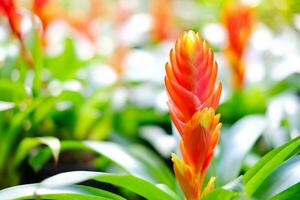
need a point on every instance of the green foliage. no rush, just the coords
(255, 176)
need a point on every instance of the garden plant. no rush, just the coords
(150, 99)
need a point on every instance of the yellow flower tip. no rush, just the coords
(178, 163)
(205, 117)
(189, 41)
(209, 187)
(175, 159)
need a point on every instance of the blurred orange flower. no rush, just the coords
(161, 15)
(193, 97)
(46, 10)
(238, 20)
(117, 59)
(81, 21)
(9, 9)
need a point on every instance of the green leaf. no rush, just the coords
(221, 194)
(65, 65)
(12, 91)
(270, 162)
(28, 144)
(118, 155)
(14, 130)
(292, 82)
(148, 167)
(291, 193)
(281, 179)
(64, 192)
(154, 164)
(241, 137)
(44, 154)
(132, 183)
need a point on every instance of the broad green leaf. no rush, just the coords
(132, 183)
(270, 162)
(135, 164)
(121, 157)
(154, 164)
(281, 179)
(63, 192)
(291, 193)
(253, 170)
(241, 137)
(28, 144)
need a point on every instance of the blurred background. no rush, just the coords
(94, 70)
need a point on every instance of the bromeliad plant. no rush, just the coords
(193, 98)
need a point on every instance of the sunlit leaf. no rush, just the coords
(256, 175)
(119, 155)
(28, 144)
(281, 179)
(291, 193)
(63, 192)
(132, 183)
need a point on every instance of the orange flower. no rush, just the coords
(46, 10)
(8, 8)
(238, 20)
(193, 97)
(117, 59)
(161, 14)
(190, 79)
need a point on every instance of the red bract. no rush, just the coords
(193, 98)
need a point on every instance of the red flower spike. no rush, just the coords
(193, 97)
(238, 20)
(191, 77)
